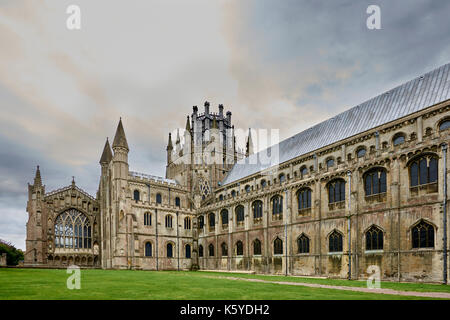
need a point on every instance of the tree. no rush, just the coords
(13, 255)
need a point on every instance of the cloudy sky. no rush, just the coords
(275, 64)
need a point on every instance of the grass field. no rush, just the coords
(167, 285)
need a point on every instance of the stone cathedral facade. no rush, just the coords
(361, 191)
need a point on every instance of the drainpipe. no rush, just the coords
(178, 247)
(285, 232)
(444, 150)
(349, 174)
(156, 238)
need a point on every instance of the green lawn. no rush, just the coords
(126, 284)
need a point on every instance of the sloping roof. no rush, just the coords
(410, 97)
(152, 177)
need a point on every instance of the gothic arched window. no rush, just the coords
(224, 216)
(224, 249)
(256, 247)
(188, 251)
(375, 181)
(278, 246)
(304, 198)
(136, 195)
(147, 219)
(239, 248)
(374, 238)
(423, 170)
(73, 230)
(257, 208)
(212, 220)
(240, 214)
(211, 250)
(148, 249)
(335, 242)
(277, 205)
(169, 250)
(303, 244)
(336, 191)
(200, 251)
(423, 235)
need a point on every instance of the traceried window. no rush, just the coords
(136, 195)
(147, 219)
(278, 246)
(239, 248)
(257, 208)
(168, 221)
(224, 216)
(240, 214)
(169, 250)
(374, 238)
(211, 250)
(398, 139)
(277, 205)
(201, 222)
(375, 181)
(188, 251)
(423, 170)
(444, 125)
(304, 199)
(224, 249)
(336, 191)
(256, 247)
(335, 242)
(187, 223)
(158, 198)
(148, 249)
(303, 244)
(73, 230)
(423, 235)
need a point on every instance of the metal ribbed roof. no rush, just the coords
(410, 97)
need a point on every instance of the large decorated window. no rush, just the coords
(73, 230)
(423, 170)
(257, 208)
(375, 181)
(336, 191)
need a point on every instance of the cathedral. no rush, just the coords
(365, 190)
